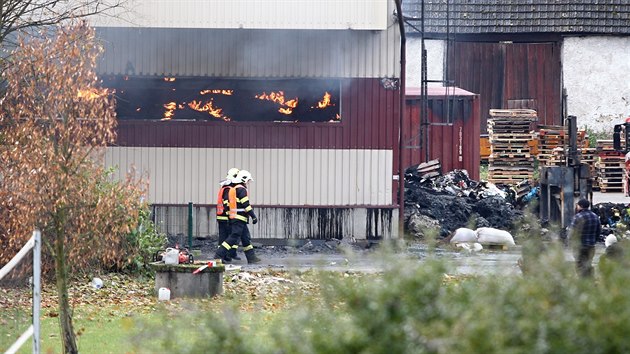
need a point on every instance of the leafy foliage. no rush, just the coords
(54, 118)
(416, 308)
(56, 121)
(594, 136)
(144, 241)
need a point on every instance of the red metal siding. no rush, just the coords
(504, 73)
(369, 121)
(454, 142)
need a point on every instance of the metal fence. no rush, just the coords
(34, 243)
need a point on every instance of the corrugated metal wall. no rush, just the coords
(287, 223)
(250, 53)
(264, 14)
(369, 120)
(453, 137)
(505, 73)
(314, 177)
(365, 141)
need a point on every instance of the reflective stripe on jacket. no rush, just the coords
(239, 203)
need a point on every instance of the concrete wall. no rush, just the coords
(435, 60)
(597, 78)
(288, 223)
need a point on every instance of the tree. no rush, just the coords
(19, 15)
(55, 122)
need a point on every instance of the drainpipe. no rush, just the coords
(190, 225)
(401, 146)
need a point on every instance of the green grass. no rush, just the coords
(411, 307)
(101, 330)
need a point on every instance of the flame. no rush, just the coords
(92, 93)
(292, 103)
(170, 108)
(208, 107)
(169, 79)
(278, 97)
(221, 92)
(325, 102)
(285, 110)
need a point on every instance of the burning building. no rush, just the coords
(306, 98)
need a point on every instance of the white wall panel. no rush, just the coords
(327, 177)
(251, 14)
(250, 53)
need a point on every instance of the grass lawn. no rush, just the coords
(101, 333)
(106, 320)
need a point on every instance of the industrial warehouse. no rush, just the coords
(359, 176)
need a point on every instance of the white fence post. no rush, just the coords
(35, 243)
(37, 288)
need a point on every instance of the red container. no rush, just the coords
(453, 129)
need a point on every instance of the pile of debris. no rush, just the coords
(614, 217)
(452, 200)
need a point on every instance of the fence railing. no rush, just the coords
(34, 243)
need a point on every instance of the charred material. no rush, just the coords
(455, 201)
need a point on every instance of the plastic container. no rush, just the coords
(171, 256)
(97, 283)
(164, 294)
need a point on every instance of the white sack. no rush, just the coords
(464, 235)
(489, 235)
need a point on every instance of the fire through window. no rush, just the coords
(171, 98)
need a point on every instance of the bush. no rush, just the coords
(415, 308)
(143, 242)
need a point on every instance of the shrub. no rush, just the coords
(143, 242)
(414, 307)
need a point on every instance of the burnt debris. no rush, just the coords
(453, 200)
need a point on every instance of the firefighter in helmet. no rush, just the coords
(223, 207)
(240, 211)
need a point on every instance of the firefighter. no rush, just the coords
(222, 210)
(239, 213)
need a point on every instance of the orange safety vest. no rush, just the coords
(220, 205)
(233, 213)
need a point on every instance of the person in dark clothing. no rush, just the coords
(222, 209)
(240, 211)
(584, 231)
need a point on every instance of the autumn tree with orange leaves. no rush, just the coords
(55, 122)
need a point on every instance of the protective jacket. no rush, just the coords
(240, 209)
(223, 204)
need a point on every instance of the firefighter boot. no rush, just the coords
(251, 256)
(222, 253)
(232, 254)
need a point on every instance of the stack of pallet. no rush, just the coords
(553, 142)
(610, 167)
(510, 135)
(551, 138)
(589, 157)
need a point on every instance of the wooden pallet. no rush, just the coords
(510, 155)
(610, 190)
(527, 113)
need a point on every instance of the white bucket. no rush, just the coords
(171, 256)
(164, 294)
